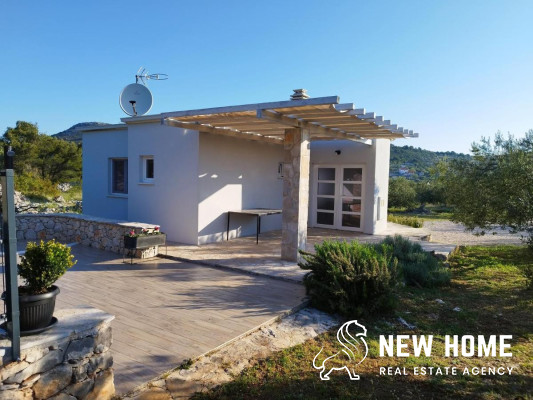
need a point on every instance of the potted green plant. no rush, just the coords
(147, 238)
(41, 266)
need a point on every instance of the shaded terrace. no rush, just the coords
(264, 258)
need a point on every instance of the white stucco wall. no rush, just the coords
(171, 200)
(234, 174)
(374, 158)
(381, 184)
(200, 176)
(98, 148)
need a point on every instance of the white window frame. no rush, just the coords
(112, 175)
(144, 169)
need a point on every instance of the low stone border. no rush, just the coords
(70, 361)
(223, 365)
(100, 233)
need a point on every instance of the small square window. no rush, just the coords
(119, 175)
(148, 169)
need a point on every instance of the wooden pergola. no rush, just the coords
(293, 124)
(324, 117)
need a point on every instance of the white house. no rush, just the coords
(322, 163)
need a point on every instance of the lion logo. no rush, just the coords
(352, 350)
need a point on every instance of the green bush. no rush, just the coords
(43, 264)
(405, 220)
(35, 187)
(350, 278)
(402, 193)
(42, 155)
(417, 265)
(527, 271)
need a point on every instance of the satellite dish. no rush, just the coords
(135, 99)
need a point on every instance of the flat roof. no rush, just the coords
(108, 127)
(324, 117)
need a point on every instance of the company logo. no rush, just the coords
(352, 351)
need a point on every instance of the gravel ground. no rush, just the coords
(443, 231)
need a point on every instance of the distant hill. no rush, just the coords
(414, 163)
(72, 135)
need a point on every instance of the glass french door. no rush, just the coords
(338, 197)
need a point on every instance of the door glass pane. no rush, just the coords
(326, 174)
(351, 189)
(353, 174)
(325, 203)
(352, 205)
(350, 220)
(327, 189)
(323, 218)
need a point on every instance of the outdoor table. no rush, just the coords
(254, 212)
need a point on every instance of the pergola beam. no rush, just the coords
(352, 131)
(343, 136)
(247, 107)
(295, 123)
(219, 131)
(335, 121)
(344, 106)
(279, 118)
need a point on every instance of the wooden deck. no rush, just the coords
(168, 311)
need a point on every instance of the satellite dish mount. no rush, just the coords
(133, 102)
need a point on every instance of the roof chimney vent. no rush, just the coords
(299, 94)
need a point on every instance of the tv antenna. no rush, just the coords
(143, 75)
(136, 99)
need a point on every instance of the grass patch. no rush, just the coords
(431, 213)
(489, 287)
(413, 222)
(187, 364)
(73, 194)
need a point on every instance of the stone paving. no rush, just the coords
(265, 258)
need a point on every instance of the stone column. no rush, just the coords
(295, 192)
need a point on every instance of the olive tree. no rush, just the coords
(495, 186)
(402, 193)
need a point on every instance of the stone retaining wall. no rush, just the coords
(100, 233)
(71, 361)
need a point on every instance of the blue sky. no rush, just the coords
(452, 70)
